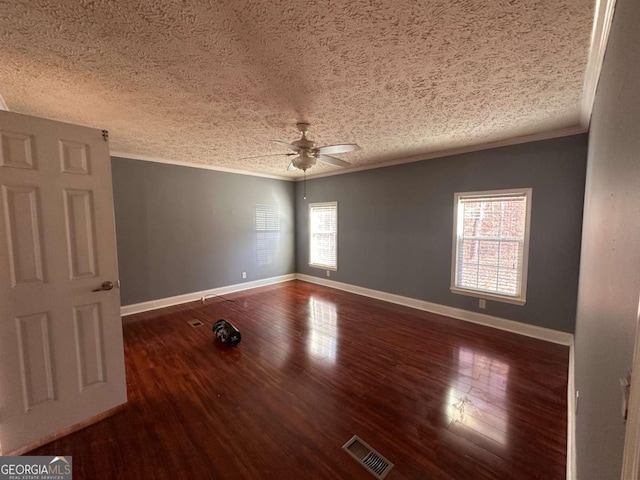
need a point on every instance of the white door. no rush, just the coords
(61, 351)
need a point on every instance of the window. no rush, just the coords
(491, 244)
(323, 235)
(267, 222)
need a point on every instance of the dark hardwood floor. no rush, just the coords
(440, 398)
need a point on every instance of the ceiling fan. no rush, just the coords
(307, 154)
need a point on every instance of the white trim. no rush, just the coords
(631, 454)
(521, 299)
(541, 333)
(190, 297)
(3, 105)
(135, 156)
(320, 205)
(487, 296)
(571, 415)
(536, 137)
(603, 17)
(564, 132)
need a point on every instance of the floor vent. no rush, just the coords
(367, 456)
(194, 322)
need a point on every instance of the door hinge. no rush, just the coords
(105, 135)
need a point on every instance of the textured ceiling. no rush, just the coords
(212, 82)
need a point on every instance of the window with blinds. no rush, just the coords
(491, 244)
(323, 235)
(267, 228)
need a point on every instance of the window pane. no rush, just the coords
(509, 254)
(513, 220)
(489, 253)
(490, 219)
(488, 278)
(471, 219)
(508, 281)
(468, 276)
(470, 250)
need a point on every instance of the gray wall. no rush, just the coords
(395, 225)
(183, 230)
(610, 269)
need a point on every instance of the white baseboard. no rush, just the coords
(190, 297)
(541, 333)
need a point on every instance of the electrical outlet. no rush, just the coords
(328, 273)
(482, 303)
(244, 275)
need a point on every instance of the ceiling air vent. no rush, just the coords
(367, 456)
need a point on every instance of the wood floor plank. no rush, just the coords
(440, 398)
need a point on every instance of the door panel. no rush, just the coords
(34, 347)
(17, 150)
(80, 233)
(89, 345)
(22, 219)
(61, 351)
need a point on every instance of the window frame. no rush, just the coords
(268, 237)
(522, 297)
(319, 265)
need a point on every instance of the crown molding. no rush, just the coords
(145, 158)
(603, 17)
(563, 132)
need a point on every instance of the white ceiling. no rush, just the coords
(211, 82)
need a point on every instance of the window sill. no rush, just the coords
(323, 267)
(488, 296)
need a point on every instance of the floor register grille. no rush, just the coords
(368, 457)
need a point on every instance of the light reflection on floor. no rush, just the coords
(486, 378)
(323, 330)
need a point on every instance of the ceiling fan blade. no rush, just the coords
(342, 148)
(333, 161)
(288, 145)
(291, 167)
(268, 155)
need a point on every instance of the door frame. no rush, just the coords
(631, 454)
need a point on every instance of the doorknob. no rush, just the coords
(105, 286)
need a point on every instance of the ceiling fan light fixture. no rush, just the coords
(304, 161)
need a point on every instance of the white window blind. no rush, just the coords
(323, 235)
(267, 220)
(491, 238)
